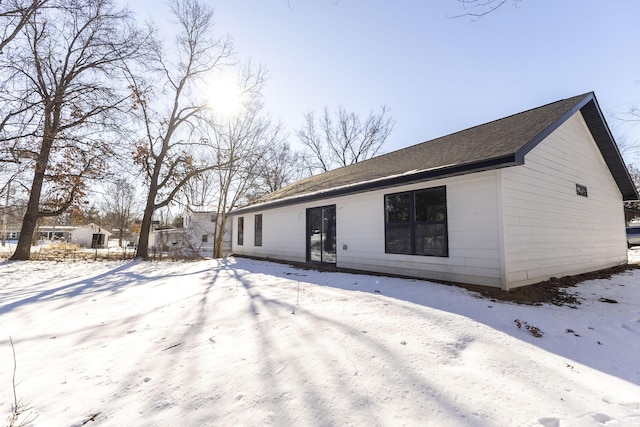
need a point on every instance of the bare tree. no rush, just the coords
(278, 167)
(65, 82)
(254, 160)
(634, 172)
(172, 109)
(120, 204)
(14, 15)
(346, 141)
(201, 190)
(239, 143)
(480, 8)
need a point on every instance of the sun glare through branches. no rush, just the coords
(224, 93)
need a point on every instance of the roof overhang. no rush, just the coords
(609, 149)
(587, 105)
(420, 176)
(599, 129)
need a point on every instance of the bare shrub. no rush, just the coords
(21, 414)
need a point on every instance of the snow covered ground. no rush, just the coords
(239, 342)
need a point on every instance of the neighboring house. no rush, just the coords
(203, 225)
(166, 238)
(509, 203)
(200, 226)
(10, 228)
(90, 236)
(12, 233)
(55, 233)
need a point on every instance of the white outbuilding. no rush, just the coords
(509, 203)
(90, 236)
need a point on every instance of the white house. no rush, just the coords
(200, 228)
(203, 226)
(90, 236)
(513, 202)
(165, 238)
(60, 233)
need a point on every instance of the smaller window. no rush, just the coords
(213, 218)
(581, 190)
(258, 230)
(241, 230)
(205, 238)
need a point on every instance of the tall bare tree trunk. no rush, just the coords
(145, 227)
(218, 244)
(23, 249)
(66, 72)
(166, 152)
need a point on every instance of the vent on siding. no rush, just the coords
(581, 190)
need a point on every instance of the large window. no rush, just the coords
(416, 222)
(257, 239)
(241, 230)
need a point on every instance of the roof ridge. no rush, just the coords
(499, 143)
(493, 121)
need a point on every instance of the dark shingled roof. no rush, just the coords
(496, 144)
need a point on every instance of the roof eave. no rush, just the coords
(599, 129)
(587, 105)
(429, 175)
(522, 151)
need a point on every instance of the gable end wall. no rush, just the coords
(549, 230)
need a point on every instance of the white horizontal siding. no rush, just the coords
(548, 229)
(474, 255)
(474, 250)
(527, 217)
(283, 234)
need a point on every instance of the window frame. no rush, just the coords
(240, 231)
(257, 234)
(412, 226)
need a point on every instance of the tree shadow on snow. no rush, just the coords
(504, 316)
(346, 358)
(112, 280)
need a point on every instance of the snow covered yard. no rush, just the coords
(242, 342)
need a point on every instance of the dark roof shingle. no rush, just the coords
(499, 143)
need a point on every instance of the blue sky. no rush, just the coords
(438, 75)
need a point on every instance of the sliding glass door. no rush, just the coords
(321, 234)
